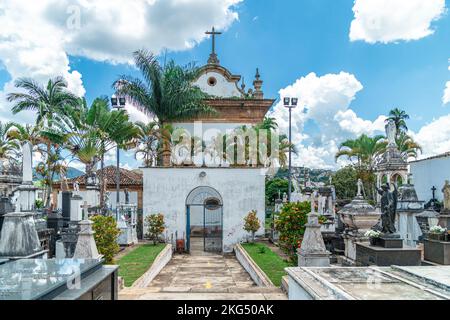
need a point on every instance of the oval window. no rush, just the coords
(212, 81)
(212, 204)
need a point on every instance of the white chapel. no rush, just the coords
(206, 204)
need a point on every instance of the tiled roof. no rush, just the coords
(439, 156)
(127, 177)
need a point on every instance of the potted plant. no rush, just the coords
(437, 233)
(373, 236)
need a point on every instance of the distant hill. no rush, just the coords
(71, 173)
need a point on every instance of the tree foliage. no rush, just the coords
(291, 226)
(155, 226)
(252, 223)
(344, 182)
(106, 234)
(273, 186)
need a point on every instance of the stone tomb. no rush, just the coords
(68, 279)
(358, 217)
(19, 238)
(369, 283)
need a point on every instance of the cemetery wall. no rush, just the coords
(428, 173)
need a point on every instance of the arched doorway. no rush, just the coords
(204, 219)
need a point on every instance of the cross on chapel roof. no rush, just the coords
(213, 56)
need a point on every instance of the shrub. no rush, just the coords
(155, 226)
(291, 227)
(252, 223)
(106, 234)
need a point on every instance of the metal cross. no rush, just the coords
(213, 33)
(434, 192)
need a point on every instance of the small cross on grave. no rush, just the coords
(85, 208)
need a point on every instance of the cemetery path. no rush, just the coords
(202, 276)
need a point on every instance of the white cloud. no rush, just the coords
(446, 97)
(388, 21)
(327, 100)
(434, 137)
(37, 37)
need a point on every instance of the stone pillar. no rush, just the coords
(76, 210)
(86, 247)
(313, 252)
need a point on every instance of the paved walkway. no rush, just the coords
(202, 276)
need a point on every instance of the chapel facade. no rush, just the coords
(206, 204)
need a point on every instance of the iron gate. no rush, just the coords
(213, 226)
(209, 202)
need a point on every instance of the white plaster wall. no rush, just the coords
(242, 190)
(223, 87)
(429, 173)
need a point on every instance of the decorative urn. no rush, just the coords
(359, 215)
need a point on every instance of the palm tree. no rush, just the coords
(48, 102)
(407, 146)
(165, 92)
(8, 145)
(90, 132)
(29, 133)
(399, 117)
(364, 149)
(147, 140)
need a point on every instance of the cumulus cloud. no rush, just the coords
(446, 97)
(37, 37)
(434, 137)
(388, 21)
(324, 105)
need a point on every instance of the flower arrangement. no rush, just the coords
(372, 234)
(437, 230)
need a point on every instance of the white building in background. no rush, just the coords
(430, 172)
(202, 204)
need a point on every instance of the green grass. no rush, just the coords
(137, 262)
(269, 262)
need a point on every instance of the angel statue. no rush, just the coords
(388, 208)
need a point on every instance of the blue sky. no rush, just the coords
(386, 67)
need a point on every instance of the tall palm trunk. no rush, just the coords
(166, 152)
(48, 178)
(102, 182)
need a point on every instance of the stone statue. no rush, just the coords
(76, 186)
(391, 133)
(285, 198)
(27, 162)
(360, 188)
(388, 208)
(446, 192)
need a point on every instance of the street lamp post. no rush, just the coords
(119, 104)
(290, 103)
